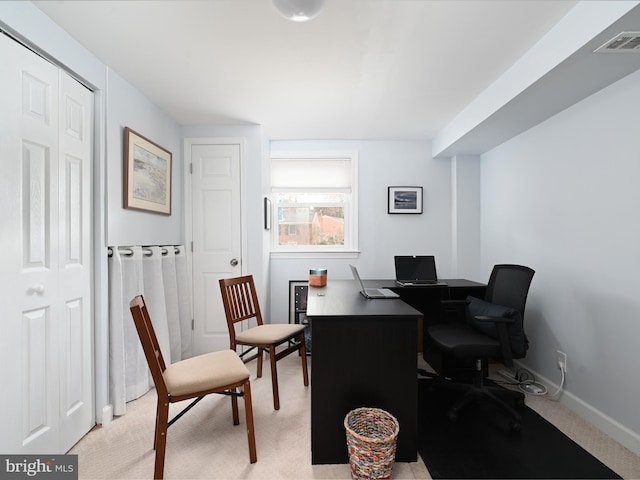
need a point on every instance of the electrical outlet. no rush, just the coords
(562, 360)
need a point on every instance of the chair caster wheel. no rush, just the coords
(452, 415)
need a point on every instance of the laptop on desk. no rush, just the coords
(416, 270)
(372, 292)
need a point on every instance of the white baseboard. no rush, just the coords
(620, 433)
(107, 415)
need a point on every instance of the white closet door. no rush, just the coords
(75, 261)
(45, 187)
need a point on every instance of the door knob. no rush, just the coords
(234, 262)
(37, 289)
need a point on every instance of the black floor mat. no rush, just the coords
(480, 445)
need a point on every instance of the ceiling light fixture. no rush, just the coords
(298, 10)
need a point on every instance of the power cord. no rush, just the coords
(527, 383)
(525, 380)
(555, 395)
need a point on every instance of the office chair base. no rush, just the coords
(479, 393)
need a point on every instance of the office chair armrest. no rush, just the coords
(503, 336)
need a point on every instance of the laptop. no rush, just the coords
(416, 270)
(372, 292)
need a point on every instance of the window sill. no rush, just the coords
(301, 254)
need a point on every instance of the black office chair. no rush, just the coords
(489, 328)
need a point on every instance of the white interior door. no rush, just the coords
(216, 235)
(45, 186)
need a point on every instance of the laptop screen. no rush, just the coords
(416, 268)
(356, 276)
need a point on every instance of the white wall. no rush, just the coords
(127, 107)
(563, 199)
(381, 236)
(465, 218)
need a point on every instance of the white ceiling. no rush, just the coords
(363, 69)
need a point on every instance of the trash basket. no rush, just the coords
(371, 440)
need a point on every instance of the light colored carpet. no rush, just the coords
(204, 444)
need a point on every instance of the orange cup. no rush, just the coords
(318, 277)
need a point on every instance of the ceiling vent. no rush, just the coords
(625, 42)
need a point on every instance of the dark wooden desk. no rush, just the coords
(365, 354)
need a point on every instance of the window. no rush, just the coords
(314, 201)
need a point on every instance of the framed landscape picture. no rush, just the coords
(147, 174)
(405, 200)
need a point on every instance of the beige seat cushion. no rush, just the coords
(205, 372)
(272, 333)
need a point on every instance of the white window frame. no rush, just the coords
(350, 247)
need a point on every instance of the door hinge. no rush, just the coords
(191, 246)
(191, 168)
(193, 324)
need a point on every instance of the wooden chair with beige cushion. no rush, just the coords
(218, 372)
(246, 327)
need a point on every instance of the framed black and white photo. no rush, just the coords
(147, 174)
(405, 200)
(298, 291)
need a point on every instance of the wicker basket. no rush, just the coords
(371, 441)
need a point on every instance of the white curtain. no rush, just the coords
(160, 274)
(179, 298)
(178, 301)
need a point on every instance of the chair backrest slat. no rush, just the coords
(149, 342)
(240, 301)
